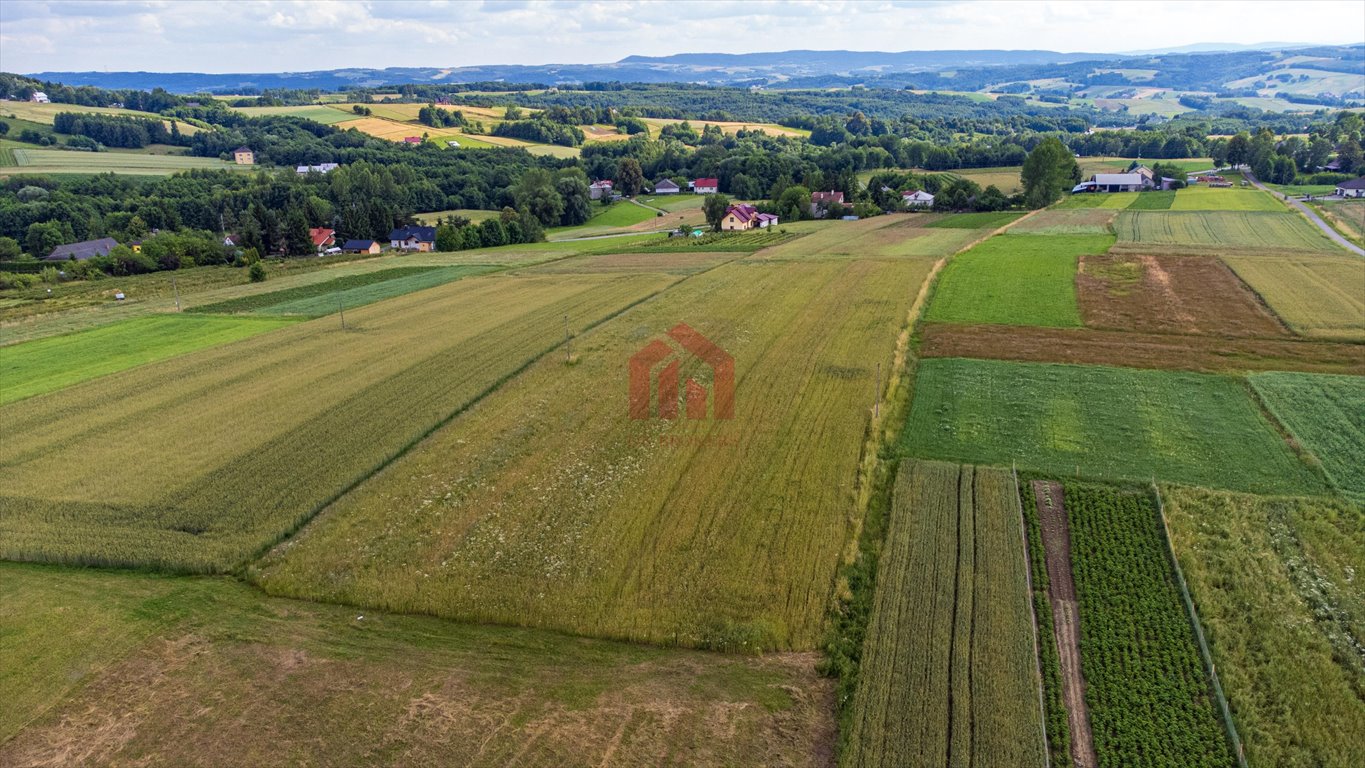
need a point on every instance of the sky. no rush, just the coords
(303, 35)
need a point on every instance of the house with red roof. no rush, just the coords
(412, 139)
(600, 189)
(742, 217)
(820, 201)
(322, 238)
(706, 186)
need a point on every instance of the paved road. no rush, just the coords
(1313, 217)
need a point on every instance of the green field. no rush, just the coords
(1098, 422)
(473, 214)
(1154, 201)
(1117, 200)
(316, 113)
(987, 220)
(1221, 229)
(1015, 281)
(350, 291)
(1275, 581)
(101, 667)
(618, 215)
(1150, 701)
(70, 161)
(1224, 199)
(1065, 221)
(251, 439)
(949, 672)
(1326, 415)
(47, 365)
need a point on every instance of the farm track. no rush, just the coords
(1066, 621)
(1131, 349)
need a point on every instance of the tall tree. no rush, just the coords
(714, 207)
(630, 180)
(1049, 170)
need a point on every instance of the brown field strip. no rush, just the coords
(1209, 354)
(1170, 294)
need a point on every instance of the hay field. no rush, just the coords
(1317, 296)
(1221, 229)
(877, 237)
(46, 113)
(66, 161)
(1063, 221)
(547, 505)
(236, 446)
(318, 113)
(656, 124)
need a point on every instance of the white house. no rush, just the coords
(321, 168)
(706, 186)
(38, 97)
(600, 189)
(1352, 188)
(917, 199)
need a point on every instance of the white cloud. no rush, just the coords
(280, 35)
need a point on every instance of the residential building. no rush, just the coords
(666, 187)
(706, 186)
(917, 199)
(600, 189)
(820, 201)
(83, 250)
(38, 97)
(322, 238)
(1352, 188)
(741, 217)
(361, 246)
(412, 139)
(243, 156)
(413, 238)
(320, 168)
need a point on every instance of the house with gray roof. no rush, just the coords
(83, 250)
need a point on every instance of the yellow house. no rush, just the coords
(136, 245)
(739, 218)
(244, 156)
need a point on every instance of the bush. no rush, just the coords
(10, 280)
(257, 272)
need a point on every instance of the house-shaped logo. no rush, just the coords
(658, 361)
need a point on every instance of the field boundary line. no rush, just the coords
(248, 563)
(1033, 617)
(1192, 615)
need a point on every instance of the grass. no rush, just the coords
(349, 291)
(876, 237)
(1149, 698)
(548, 506)
(948, 673)
(1101, 423)
(1153, 201)
(47, 113)
(473, 214)
(1116, 200)
(1317, 295)
(1062, 221)
(1221, 229)
(987, 220)
(49, 161)
(103, 664)
(605, 219)
(1224, 199)
(46, 365)
(251, 439)
(317, 113)
(1015, 281)
(1326, 415)
(1273, 578)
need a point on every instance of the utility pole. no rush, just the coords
(568, 343)
(877, 395)
(176, 291)
(342, 311)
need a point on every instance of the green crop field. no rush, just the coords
(1221, 229)
(45, 114)
(547, 505)
(1326, 415)
(1063, 221)
(1224, 199)
(47, 365)
(1116, 200)
(1015, 281)
(349, 292)
(110, 661)
(473, 214)
(949, 672)
(1153, 201)
(1317, 295)
(1150, 701)
(1098, 422)
(1274, 579)
(987, 220)
(70, 161)
(250, 439)
(317, 113)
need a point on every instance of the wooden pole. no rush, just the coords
(568, 342)
(342, 310)
(877, 395)
(176, 291)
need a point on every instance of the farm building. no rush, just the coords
(83, 250)
(361, 246)
(322, 238)
(600, 189)
(1352, 188)
(1114, 182)
(666, 187)
(320, 168)
(706, 186)
(743, 217)
(38, 97)
(413, 238)
(243, 156)
(917, 199)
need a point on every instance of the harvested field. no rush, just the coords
(1315, 295)
(130, 669)
(547, 505)
(1326, 415)
(1064, 221)
(949, 673)
(250, 440)
(1015, 281)
(1222, 229)
(1170, 294)
(1276, 582)
(1208, 354)
(1097, 422)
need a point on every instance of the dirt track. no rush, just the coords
(1051, 504)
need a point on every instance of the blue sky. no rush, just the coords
(272, 36)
